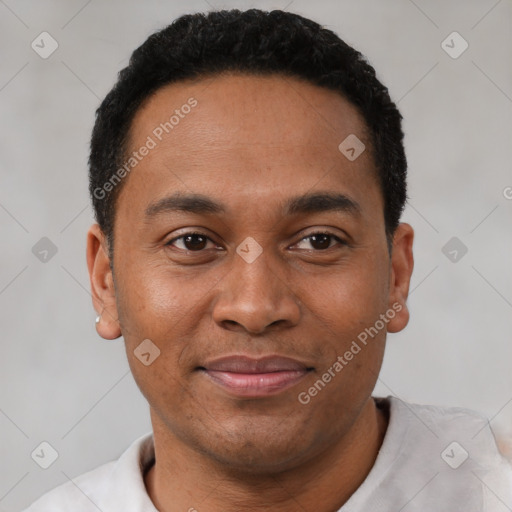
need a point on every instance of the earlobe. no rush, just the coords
(102, 284)
(402, 263)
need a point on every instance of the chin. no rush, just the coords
(257, 453)
(253, 461)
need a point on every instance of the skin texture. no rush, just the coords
(252, 143)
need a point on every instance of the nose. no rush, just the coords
(256, 297)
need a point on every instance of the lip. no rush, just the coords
(248, 377)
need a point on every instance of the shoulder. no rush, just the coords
(79, 494)
(440, 425)
(456, 447)
(444, 423)
(108, 487)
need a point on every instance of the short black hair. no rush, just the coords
(251, 42)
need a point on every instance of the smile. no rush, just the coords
(243, 376)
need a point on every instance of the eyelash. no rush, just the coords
(327, 233)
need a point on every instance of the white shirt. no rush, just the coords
(433, 459)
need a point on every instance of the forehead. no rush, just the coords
(236, 102)
(258, 138)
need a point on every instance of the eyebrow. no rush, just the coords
(305, 204)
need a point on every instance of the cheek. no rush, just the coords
(163, 309)
(353, 333)
(164, 387)
(152, 302)
(351, 299)
(346, 310)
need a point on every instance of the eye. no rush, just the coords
(196, 241)
(321, 241)
(193, 241)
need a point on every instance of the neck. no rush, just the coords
(182, 480)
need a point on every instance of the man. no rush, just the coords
(248, 176)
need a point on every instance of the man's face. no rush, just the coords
(252, 144)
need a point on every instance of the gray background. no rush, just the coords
(63, 384)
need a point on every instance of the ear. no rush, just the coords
(402, 263)
(102, 284)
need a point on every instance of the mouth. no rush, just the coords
(243, 376)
